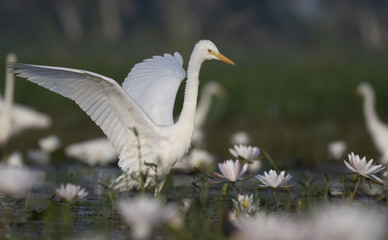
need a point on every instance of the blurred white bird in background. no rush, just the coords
(15, 118)
(47, 146)
(93, 152)
(209, 90)
(198, 157)
(137, 117)
(376, 128)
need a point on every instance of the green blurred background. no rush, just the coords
(298, 63)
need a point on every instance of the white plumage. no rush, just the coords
(376, 128)
(137, 118)
(15, 118)
(93, 152)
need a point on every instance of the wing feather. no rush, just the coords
(153, 85)
(100, 97)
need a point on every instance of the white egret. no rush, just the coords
(15, 118)
(47, 146)
(209, 90)
(137, 117)
(93, 152)
(376, 128)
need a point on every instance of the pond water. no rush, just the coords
(41, 215)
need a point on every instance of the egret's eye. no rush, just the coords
(209, 50)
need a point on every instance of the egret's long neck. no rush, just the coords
(187, 116)
(6, 106)
(370, 111)
(9, 89)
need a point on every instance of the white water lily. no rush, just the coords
(364, 168)
(231, 170)
(248, 153)
(246, 203)
(18, 180)
(270, 226)
(144, 213)
(348, 222)
(71, 192)
(273, 180)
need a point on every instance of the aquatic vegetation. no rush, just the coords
(198, 210)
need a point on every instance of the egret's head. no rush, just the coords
(11, 57)
(208, 50)
(364, 89)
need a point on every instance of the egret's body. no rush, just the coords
(376, 128)
(15, 118)
(137, 118)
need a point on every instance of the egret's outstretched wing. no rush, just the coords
(154, 83)
(100, 97)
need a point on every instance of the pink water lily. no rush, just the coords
(231, 170)
(71, 192)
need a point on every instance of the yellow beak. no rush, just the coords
(224, 59)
